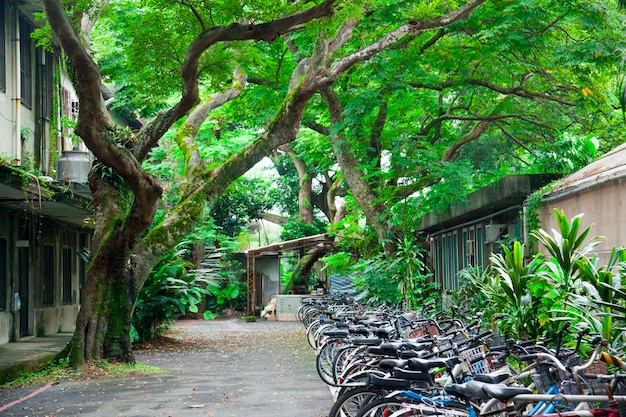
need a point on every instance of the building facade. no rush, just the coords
(466, 235)
(598, 193)
(44, 223)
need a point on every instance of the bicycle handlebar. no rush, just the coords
(548, 357)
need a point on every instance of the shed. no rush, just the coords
(263, 267)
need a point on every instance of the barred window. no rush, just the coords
(47, 84)
(26, 62)
(47, 275)
(67, 275)
(3, 274)
(3, 51)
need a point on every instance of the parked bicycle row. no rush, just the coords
(379, 362)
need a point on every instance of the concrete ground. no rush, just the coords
(211, 368)
(29, 355)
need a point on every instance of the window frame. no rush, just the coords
(4, 275)
(47, 275)
(26, 62)
(68, 265)
(3, 48)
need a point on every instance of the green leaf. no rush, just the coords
(209, 315)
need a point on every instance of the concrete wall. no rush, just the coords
(603, 208)
(9, 145)
(51, 320)
(6, 323)
(38, 315)
(268, 268)
(26, 130)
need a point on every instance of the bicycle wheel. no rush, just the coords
(350, 402)
(395, 407)
(343, 358)
(319, 336)
(310, 332)
(310, 315)
(325, 360)
(382, 407)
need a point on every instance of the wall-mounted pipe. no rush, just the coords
(17, 116)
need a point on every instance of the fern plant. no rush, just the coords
(171, 289)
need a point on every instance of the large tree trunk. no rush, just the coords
(305, 180)
(354, 176)
(108, 296)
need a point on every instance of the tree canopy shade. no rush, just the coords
(471, 101)
(408, 91)
(126, 198)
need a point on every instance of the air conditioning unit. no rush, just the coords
(493, 232)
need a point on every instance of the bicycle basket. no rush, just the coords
(424, 330)
(473, 361)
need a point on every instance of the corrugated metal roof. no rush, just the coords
(290, 245)
(611, 165)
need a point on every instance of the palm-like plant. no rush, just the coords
(583, 290)
(511, 289)
(568, 249)
(601, 304)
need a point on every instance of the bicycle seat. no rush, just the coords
(393, 346)
(408, 354)
(490, 378)
(336, 333)
(502, 392)
(367, 341)
(418, 364)
(376, 350)
(392, 363)
(393, 383)
(412, 376)
(383, 332)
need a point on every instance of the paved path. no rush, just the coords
(232, 368)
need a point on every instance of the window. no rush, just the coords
(47, 82)
(47, 275)
(437, 260)
(26, 62)
(83, 257)
(3, 274)
(465, 250)
(479, 254)
(445, 253)
(3, 52)
(75, 110)
(454, 278)
(67, 275)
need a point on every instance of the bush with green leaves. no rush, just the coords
(530, 296)
(296, 229)
(470, 295)
(601, 305)
(171, 289)
(224, 287)
(516, 288)
(400, 279)
(583, 291)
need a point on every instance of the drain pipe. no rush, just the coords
(17, 92)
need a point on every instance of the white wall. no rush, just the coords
(603, 209)
(8, 144)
